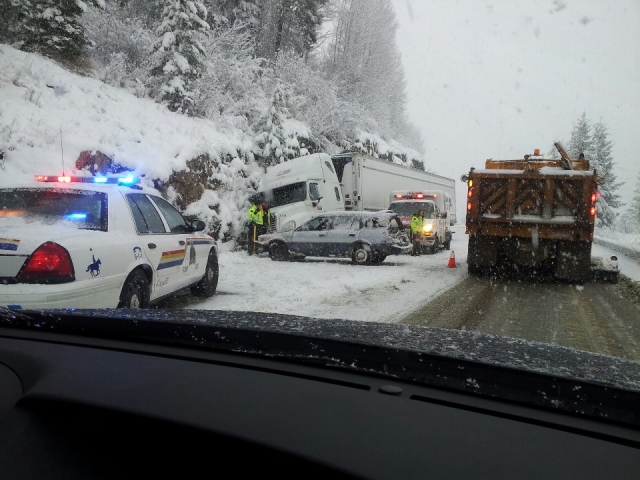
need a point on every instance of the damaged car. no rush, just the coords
(365, 237)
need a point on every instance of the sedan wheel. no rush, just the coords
(278, 251)
(361, 255)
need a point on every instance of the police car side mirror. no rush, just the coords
(198, 225)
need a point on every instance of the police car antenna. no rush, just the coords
(61, 150)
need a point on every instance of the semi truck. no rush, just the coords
(302, 188)
(532, 212)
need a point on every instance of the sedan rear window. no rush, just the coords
(79, 208)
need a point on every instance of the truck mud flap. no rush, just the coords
(483, 251)
(573, 261)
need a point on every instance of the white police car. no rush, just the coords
(98, 242)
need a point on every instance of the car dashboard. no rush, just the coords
(85, 396)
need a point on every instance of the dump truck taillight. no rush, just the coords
(468, 206)
(470, 193)
(592, 211)
(593, 198)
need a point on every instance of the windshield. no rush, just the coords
(522, 115)
(296, 192)
(409, 209)
(86, 210)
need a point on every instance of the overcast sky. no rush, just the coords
(498, 78)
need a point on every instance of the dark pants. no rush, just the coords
(415, 238)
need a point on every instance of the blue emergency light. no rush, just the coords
(128, 180)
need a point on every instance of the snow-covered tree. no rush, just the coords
(233, 81)
(288, 25)
(274, 144)
(580, 143)
(365, 62)
(122, 42)
(181, 53)
(602, 161)
(50, 27)
(634, 208)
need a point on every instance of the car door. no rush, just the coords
(341, 235)
(164, 250)
(310, 238)
(197, 248)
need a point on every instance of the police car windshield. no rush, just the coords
(408, 209)
(296, 192)
(80, 208)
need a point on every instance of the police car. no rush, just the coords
(98, 242)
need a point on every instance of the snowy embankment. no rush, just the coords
(48, 116)
(626, 246)
(49, 113)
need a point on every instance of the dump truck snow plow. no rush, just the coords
(532, 213)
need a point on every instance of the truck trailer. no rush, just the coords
(367, 181)
(532, 213)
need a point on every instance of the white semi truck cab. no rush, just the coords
(301, 189)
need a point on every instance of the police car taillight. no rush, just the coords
(50, 261)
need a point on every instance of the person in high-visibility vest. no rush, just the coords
(417, 226)
(255, 222)
(266, 219)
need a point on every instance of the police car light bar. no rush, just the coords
(128, 180)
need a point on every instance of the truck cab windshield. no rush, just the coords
(409, 209)
(296, 192)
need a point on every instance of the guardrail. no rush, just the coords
(624, 249)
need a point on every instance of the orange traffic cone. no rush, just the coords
(452, 260)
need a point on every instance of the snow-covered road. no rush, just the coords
(334, 288)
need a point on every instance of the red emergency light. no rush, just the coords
(124, 180)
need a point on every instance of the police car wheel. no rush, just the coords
(207, 286)
(135, 292)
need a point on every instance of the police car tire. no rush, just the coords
(135, 291)
(207, 286)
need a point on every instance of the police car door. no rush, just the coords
(197, 246)
(164, 250)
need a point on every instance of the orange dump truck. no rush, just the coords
(532, 213)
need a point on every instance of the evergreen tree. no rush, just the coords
(601, 160)
(580, 143)
(273, 144)
(364, 60)
(181, 54)
(288, 25)
(634, 209)
(50, 27)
